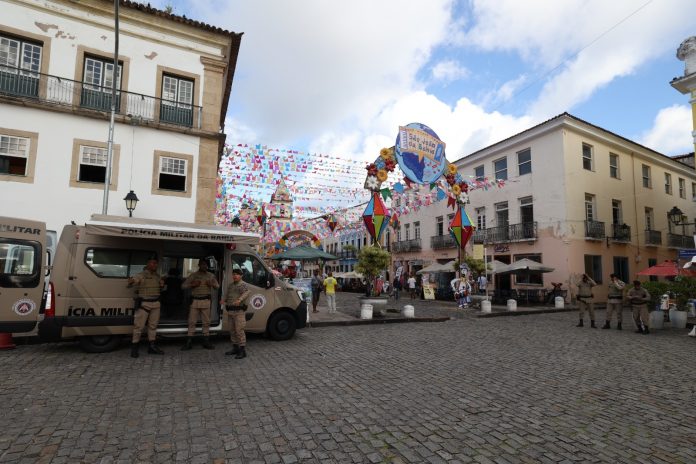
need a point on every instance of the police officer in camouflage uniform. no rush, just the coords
(237, 293)
(149, 284)
(201, 284)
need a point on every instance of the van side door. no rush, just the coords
(262, 301)
(21, 283)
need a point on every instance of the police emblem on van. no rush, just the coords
(257, 301)
(24, 307)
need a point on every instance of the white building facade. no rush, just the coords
(56, 73)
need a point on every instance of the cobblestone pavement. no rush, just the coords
(507, 389)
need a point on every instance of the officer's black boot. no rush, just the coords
(188, 345)
(592, 324)
(152, 349)
(580, 324)
(206, 343)
(234, 350)
(618, 326)
(135, 352)
(646, 331)
(241, 354)
(606, 325)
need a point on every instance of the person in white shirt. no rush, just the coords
(411, 282)
(482, 283)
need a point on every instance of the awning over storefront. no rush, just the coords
(118, 226)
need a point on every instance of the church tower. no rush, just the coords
(281, 203)
(687, 83)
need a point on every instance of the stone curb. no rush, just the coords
(391, 320)
(524, 312)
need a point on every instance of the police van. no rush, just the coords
(90, 301)
(23, 263)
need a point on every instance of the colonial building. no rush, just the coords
(578, 198)
(56, 73)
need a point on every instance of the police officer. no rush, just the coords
(237, 293)
(585, 297)
(614, 301)
(149, 284)
(201, 283)
(639, 298)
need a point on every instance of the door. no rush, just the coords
(21, 282)
(262, 300)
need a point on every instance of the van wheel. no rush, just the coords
(281, 326)
(99, 343)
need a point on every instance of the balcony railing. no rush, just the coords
(407, 245)
(621, 233)
(346, 254)
(680, 241)
(653, 237)
(512, 233)
(439, 242)
(594, 230)
(63, 92)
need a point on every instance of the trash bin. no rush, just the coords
(559, 302)
(512, 305)
(366, 311)
(409, 312)
(657, 319)
(485, 306)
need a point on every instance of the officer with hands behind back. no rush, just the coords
(149, 284)
(235, 297)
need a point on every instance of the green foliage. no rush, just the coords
(684, 288)
(371, 261)
(475, 265)
(349, 248)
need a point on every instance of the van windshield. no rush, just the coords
(20, 261)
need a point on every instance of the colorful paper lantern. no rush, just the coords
(376, 216)
(332, 222)
(460, 227)
(261, 216)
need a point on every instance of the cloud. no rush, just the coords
(448, 71)
(670, 132)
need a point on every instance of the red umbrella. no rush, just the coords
(664, 269)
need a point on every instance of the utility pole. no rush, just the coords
(110, 143)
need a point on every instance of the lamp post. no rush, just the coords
(678, 218)
(131, 200)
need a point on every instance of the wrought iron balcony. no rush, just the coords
(407, 245)
(512, 233)
(346, 254)
(594, 230)
(680, 241)
(653, 237)
(439, 242)
(58, 91)
(621, 233)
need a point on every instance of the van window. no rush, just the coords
(107, 262)
(20, 262)
(253, 271)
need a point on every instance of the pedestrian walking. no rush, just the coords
(201, 284)
(330, 288)
(482, 284)
(235, 304)
(411, 282)
(396, 287)
(614, 301)
(317, 286)
(148, 285)
(639, 299)
(585, 299)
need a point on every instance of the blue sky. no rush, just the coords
(339, 77)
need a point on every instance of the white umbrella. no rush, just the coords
(437, 267)
(524, 266)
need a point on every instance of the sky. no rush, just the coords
(340, 77)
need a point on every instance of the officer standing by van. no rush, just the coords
(149, 284)
(236, 295)
(201, 284)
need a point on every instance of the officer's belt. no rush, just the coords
(150, 300)
(201, 297)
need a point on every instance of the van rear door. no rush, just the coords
(22, 260)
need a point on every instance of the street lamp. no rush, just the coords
(678, 218)
(131, 202)
(236, 222)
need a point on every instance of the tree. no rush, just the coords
(372, 261)
(475, 265)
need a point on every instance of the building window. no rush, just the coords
(616, 214)
(524, 161)
(407, 231)
(20, 63)
(682, 188)
(647, 180)
(398, 234)
(97, 84)
(613, 166)
(593, 267)
(500, 169)
(439, 226)
(481, 218)
(177, 100)
(14, 155)
(649, 219)
(589, 207)
(416, 230)
(526, 210)
(693, 191)
(172, 174)
(587, 159)
(479, 173)
(501, 214)
(668, 183)
(92, 166)
(621, 268)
